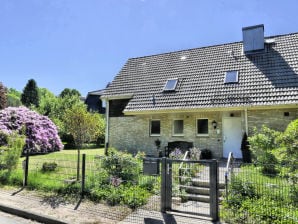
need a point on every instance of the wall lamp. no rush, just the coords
(214, 124)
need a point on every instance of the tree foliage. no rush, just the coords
(41, 133)
(11, 152)
(48, 103)
(262, 144)
(30, 94)
(3, 96)
(13, 98)
(82, 125)
(290, 142)
(67, 92)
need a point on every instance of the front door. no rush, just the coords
(232, 136)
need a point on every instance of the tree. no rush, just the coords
(48, 102)
(30, 95)
(82, 125)
(69, 92)
(13, 98)
(289, 141)
(3, 96)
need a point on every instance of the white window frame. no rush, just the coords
(203, 134)
(173, 128)
(150, 127)
(237, 77)
(174, 87)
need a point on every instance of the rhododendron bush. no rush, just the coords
(41, 133)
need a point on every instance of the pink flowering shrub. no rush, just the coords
(41, 133)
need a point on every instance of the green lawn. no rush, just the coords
(68, 155)
(66, 161)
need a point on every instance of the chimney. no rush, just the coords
(253, 38)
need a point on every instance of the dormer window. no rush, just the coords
(231, 77)
(170, 85)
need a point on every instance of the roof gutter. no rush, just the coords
(117, 97)
(211, 109)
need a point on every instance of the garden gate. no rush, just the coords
(190, 187)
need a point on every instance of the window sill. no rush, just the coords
(178, 135)
(155, 135)
(203, 135)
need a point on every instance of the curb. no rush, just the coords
(30, 215)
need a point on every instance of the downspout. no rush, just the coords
(246, 121)
(107, 127)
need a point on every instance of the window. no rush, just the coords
(202, 127)
(155, 127)
(231, 77)
(286, 114)
(171, 85)
(178, 127)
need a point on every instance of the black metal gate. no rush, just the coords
(190, 187)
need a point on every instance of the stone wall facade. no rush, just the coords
(132, 133)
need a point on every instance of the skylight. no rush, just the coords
(231, 77)
(171, 85)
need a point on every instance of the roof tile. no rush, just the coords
(264, 79)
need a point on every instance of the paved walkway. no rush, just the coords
(152, 217)
(34, 206)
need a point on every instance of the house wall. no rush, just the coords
(132, 133)
(274, 118)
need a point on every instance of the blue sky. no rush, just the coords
(83, 44)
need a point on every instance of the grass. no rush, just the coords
(257, 198)
(66, 161)
(275, 187)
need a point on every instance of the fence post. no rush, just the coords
(214, 190)
(163, 185)
(168, 186)
(226, 185)
(83, 175)
(26, 169)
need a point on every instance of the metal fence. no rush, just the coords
(249, 195)
(260, 193)
(109, 181)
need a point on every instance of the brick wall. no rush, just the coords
(277, 119)
(131, 133)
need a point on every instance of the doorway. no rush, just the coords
(232, 136)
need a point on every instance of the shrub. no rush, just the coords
(290, 142)
(262, 144)
(11, 153)
(135, 196)
(121, 165)
(48, 167)
(41, 133)
(238, 191)
(148, 184)
(246, 155)
(3, 138)
(114, 197)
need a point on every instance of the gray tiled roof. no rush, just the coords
(267, 78)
